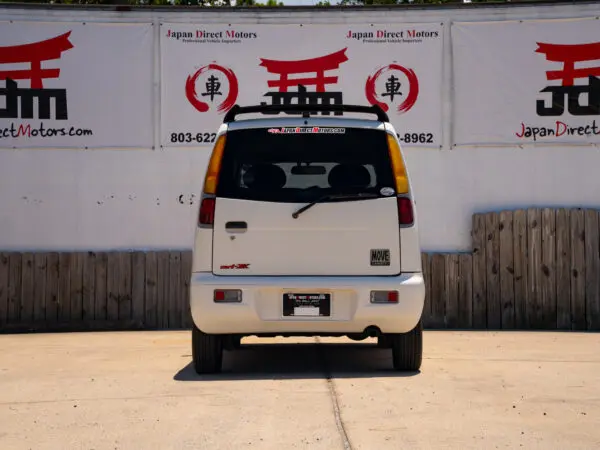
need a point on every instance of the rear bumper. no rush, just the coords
(261, 309)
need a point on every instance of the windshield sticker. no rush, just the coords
(387, 191)
(306, 130)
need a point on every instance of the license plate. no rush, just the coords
(306, 305)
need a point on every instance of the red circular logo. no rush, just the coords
(391, 87)
(213, 85)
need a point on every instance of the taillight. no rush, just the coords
(227, 296)
(207, 212)
(384, 296)
(214, 166)
(405, 211)
(398, 166)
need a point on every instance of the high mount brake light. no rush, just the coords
(214, 166)
(400, 176)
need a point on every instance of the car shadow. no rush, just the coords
(300, 361)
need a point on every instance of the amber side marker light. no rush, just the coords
(206, 216)
(398, 166)
(214, 166)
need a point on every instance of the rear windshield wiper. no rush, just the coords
(358, 196)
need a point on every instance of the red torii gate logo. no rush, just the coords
(569, 55)
(33, 54)
(314, 66)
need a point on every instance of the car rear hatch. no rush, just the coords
(306, 201)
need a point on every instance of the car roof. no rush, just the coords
(305, 110)
(341, 122)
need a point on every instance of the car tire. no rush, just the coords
(407, 349)
(232, 342)
(207, 352)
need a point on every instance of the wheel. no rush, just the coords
(232, 342)
(207, 352)
(407, 349)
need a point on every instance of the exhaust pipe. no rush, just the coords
(369, 332)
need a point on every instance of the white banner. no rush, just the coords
(206, 69)
(75, 85)
(527, 82)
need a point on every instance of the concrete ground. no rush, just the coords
(138, 391)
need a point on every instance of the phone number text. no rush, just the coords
(199, 138)
(416, 138)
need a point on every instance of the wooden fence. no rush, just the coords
(529, 269)
(94, 290)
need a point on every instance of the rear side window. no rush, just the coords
(259, 164)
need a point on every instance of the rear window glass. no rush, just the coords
(260, 164)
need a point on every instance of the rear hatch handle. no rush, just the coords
(236, 227)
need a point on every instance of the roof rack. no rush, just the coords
(305, 110)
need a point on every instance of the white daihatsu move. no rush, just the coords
(307, 227)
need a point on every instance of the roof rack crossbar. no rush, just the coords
(307, 109)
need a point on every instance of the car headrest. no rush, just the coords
(349, 175)
(265, 177)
